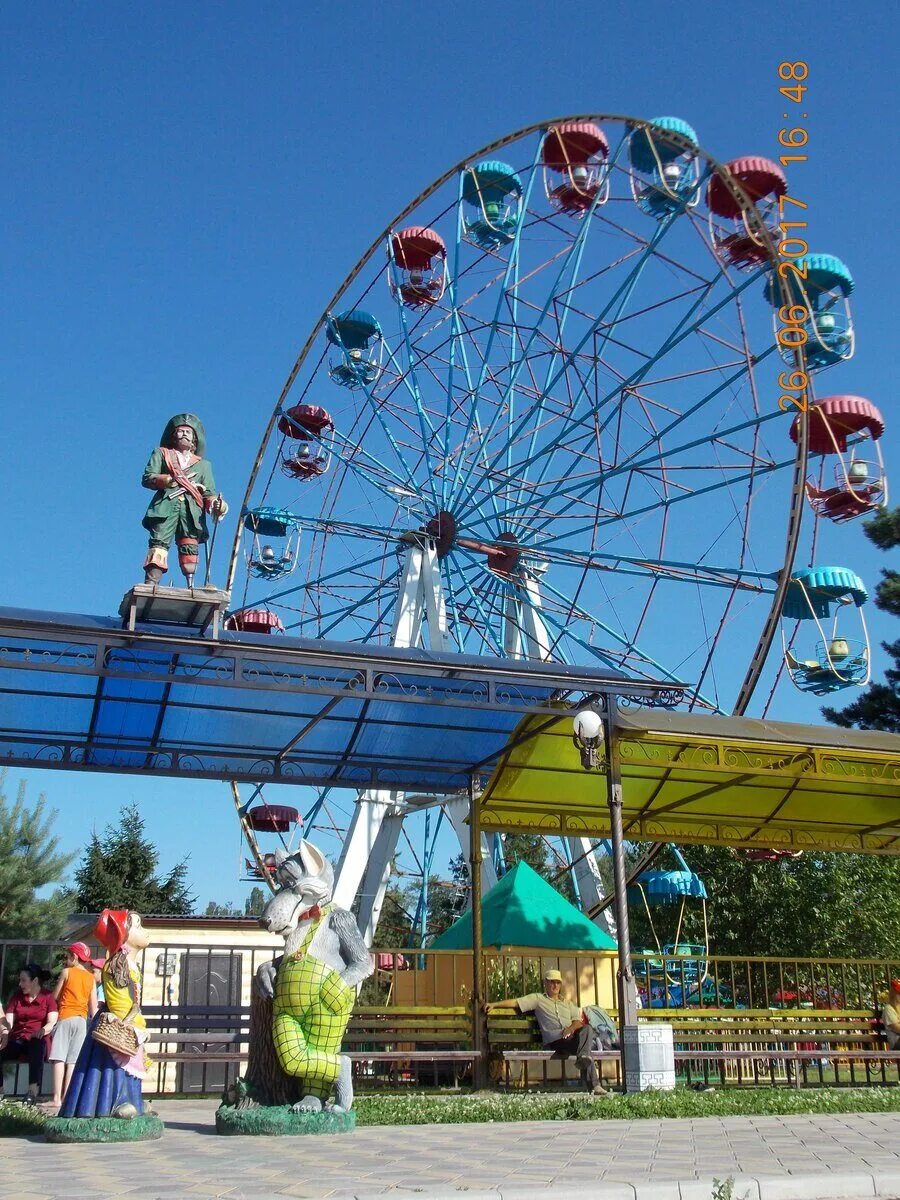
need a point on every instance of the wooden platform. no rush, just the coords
(197, 608)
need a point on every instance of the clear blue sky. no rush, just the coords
(185, 184)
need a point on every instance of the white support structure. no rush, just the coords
(364, 868)
(370, 848)
(588, 882)
(457, 810)
(524, 628)
(376, 867)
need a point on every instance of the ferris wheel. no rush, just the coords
(545, 416)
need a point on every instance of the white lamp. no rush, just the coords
(588, 736)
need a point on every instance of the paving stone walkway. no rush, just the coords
(769, 1158)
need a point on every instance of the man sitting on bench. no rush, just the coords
(564, 1027)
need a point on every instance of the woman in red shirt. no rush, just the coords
(29, 1018)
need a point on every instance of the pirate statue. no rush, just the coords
(185, 492)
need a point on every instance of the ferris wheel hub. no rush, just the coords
(441, 529)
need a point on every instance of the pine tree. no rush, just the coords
(30, 859)
(879, 705)
(119, 871)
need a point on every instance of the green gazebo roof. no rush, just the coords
(524, 910)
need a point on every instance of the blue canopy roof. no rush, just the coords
(81, 692)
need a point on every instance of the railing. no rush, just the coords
(673, 980)
(197, 999)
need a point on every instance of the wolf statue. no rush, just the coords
(302, 1001)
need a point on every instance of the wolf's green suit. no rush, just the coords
(311, 1007)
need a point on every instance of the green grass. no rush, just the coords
(19, 1120)
(452, 1110)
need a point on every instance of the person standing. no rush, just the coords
(76, 999)
(29, 1017)
(564, 1027)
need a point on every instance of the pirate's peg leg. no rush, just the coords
(155, 564)
(188, 551)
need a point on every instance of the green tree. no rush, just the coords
(255, 902)
(30, 860)
(820, 906)
(879, 705)
(525, 847)
(119, 871)
(395, 921)
(447, 898)
(228, 909)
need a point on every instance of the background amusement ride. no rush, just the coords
(565, 407)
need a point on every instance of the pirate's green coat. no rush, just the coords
(179, 516)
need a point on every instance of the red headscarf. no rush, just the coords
(111, 929)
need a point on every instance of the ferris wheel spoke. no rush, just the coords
(577, 491)
(452, 604)
(569, 257)
(601, 336)
(377, 475)
(679, 334)
(667, 503)
(477, 421)
(485, 630)
(620, 297)
(631, 655)
(308, 585)
(409, 475)
(345, 612)
(510, 273)
(426, 429)
(665, 569)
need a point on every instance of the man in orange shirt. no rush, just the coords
(77, 1000)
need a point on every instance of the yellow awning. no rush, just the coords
(727, 781)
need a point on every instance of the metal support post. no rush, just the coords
(627, 990)
(478, 989)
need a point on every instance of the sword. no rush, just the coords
(210, 545)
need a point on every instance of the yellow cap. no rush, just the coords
(552, 976)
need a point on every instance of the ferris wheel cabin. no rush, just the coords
(574, 155)
(358, 347)
(837, 427)
(492, 204)
(664, 166)
(822, 285)
(309, 431)
(735, 240)
(417, 270)
(816, 594)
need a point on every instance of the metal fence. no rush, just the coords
(200, 996)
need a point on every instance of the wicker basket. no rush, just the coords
(115, 1034)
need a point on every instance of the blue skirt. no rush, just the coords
(99, 1084)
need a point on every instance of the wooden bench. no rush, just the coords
(796, 1046)
(514, 1037)
(730, 1046)
(208, 1033)
(394, 1044)
(407, 1039)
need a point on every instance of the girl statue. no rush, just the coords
(107, 1082)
